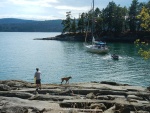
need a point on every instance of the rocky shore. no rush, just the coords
(18, 96)
(106, 36)
(80, 37)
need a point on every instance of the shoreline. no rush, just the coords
(100, 97)
(124, 37)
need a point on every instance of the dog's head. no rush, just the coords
(69, 77)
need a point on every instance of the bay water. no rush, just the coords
(20, 55)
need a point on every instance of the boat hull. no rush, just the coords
(94, 49)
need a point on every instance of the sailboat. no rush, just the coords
(96, 46)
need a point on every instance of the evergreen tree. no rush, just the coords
(98, 21)
(73, 26)
(148, 4)
(81, 23)
(133, 12)
(109, 16)
(119, 20)
(67, 23)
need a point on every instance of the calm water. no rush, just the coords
(20, 55)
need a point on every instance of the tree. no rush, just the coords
(109, 16)
(73, 26)
(67, 23)
(133, 12)
(148, 4)
(144, 17)
(119, 21)
(114, 18)
(144, 50)
(81, 23)
(98, 21)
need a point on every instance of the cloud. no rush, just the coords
(50, 9)
(72, 8)
(43, 3)
(29, 17)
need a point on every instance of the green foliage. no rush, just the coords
(133, 12)
(113, 18)
(144, 50)
(144, 16)
(67, 23)
(73, 26)
(81, 22)
(98, 21)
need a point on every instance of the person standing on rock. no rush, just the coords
(37, 77)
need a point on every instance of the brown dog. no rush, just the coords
(66, 79)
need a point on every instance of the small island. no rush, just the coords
(17, 96)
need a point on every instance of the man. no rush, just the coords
(37, 78)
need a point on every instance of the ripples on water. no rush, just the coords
(20, 55)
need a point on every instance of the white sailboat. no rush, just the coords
(96, 46)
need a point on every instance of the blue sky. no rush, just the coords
(51, 9)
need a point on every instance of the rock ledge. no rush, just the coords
(97, 97)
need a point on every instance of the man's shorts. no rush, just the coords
(38, 81)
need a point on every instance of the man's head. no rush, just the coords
(37, 69)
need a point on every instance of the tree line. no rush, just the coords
(113, 18)
(19, 25)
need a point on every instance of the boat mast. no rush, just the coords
(92, 22)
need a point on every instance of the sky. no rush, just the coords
(52, 9)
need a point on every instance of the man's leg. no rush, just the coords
(40, 86)
(36, 87)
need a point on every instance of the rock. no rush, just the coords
(103, 97)
(110, 83)
(4, 87)
(35, 110)
(22, 95)
(98, 106)
(108, 97)
(77, 97)
(110, 110)
(17, 83)
(148, 88)
(90, 96)
(122, 109)
(50, 97)
(134, 97)
(119, 107)
(142, 112)
(14, 109)
(126, 110)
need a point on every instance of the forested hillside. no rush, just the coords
(20, 25)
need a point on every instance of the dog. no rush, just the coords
(65, 79)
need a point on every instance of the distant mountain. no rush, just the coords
(14, 20)
(20, 25)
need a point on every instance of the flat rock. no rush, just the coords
(100, 97)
